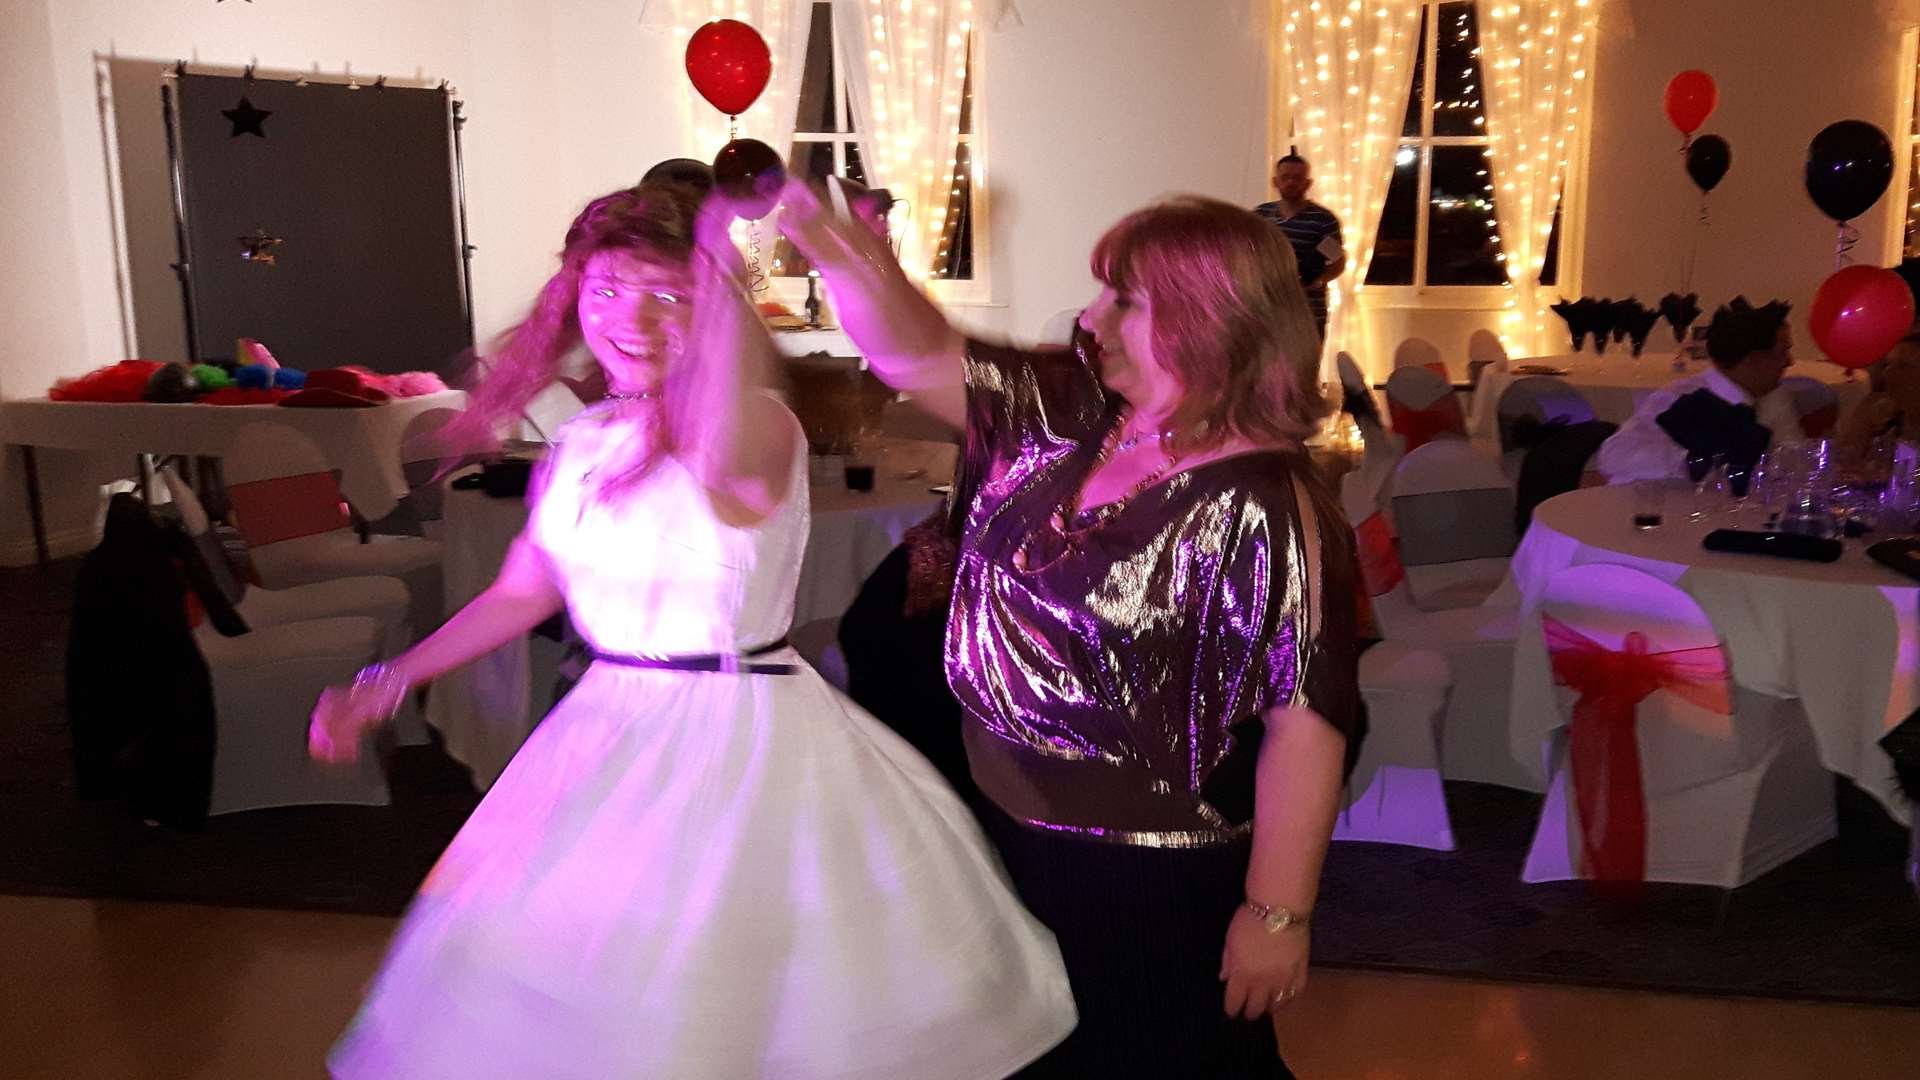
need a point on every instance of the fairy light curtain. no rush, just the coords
(907, 95)
(1348, 66)
(1537, 56)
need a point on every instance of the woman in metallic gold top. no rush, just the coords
(1152, 631)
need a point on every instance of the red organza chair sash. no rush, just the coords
(1421, 426)
(287, 507)
(1603, 747)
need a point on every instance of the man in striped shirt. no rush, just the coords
(1312, 229)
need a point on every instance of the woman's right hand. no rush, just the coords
(340, 721)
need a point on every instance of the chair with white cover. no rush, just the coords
(1817, 404)
(265, 684)
(1667, 770)
(1423, 407)
(289, 509)
(382, 599)
(424, 459)
(1421, 353)
(1058, 329)
(1535, 401)
(1452, 509)
(1395, 795)
(1476, 643)
(1484, 351)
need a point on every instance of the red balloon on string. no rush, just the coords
(729, 64)
(1691, 98)
(1859, 313)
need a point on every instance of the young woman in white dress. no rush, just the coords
(705, 863)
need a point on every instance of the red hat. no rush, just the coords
(341, 387)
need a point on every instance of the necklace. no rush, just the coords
(1065, 534)
(633, 395)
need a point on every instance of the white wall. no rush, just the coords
(1786, 69)
(1095, 109)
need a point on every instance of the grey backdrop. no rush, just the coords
(360, 184)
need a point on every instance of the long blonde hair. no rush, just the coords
(1230, 318)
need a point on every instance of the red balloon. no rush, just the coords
(1859, 313)
(729, 64)
(1691, 98)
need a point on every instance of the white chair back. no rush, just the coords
(199, 528)
(1058, 329)
(280, 485)
(1417, 352)
(1816, 404)
(268, 450)
(1417, 387)
(1483, 347)
(1542, 399)
(1452, 508)
(1352, 379)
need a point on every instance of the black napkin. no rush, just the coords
(1600, 321)
(1680, 311)
(1780, 545)
(1567, 310)
(1359, 404)
(1624, 312)
(1706, 425)
(1638, 322)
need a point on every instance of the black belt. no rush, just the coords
(724, 663)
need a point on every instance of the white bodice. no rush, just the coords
(651, 570)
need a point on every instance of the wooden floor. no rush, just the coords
(129, 991)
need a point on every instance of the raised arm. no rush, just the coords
(905, 338)
(735, 437)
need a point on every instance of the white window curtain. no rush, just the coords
(783, 23)
(907, 61)
(1536, 56)
(1348, 66)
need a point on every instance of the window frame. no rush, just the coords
(1421, 294)
(1901, 191)
(974, 291)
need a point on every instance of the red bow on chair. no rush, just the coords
(1421, 426)
(1603, 746)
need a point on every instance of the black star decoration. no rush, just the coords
(246, 119)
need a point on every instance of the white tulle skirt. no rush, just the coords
(713, 876)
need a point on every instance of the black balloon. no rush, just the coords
(749, 175)
(1708, 160)
(1848, 167)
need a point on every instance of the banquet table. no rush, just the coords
(484, 711)
(1616, 383)
(1843, 637)
(363, 443)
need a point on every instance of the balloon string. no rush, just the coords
(756, 278)
(1843, 246)
(733, 128)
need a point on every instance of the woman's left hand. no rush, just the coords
(1263, 970)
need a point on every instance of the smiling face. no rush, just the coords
(633, 315)
(1121, 323)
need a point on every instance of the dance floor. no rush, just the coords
(116, 989)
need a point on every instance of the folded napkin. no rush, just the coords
(1705, 425)
(1637, 322)
(1680, 311)
(1781, 545)
(1600, 321)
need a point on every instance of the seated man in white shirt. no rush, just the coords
(1751, 349)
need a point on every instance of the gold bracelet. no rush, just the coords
(1276, 917)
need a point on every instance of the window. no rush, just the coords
(1438, 227)
(828, 139)
(1910, 234)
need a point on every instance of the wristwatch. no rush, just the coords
(1274, 917)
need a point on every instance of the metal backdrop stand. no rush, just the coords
(184, 267)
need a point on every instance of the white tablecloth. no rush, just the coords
(1843, 637)
(1616, 383)
(487, 709)
(364, 444)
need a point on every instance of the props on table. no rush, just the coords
(1638, 321)
(1691, 98)
(262, 377)
(125, 381)
(729, 64)
(171, 384)
(749, 174)
(1849, 165)
(211, 377)
(1708, 159)
(1859, 313)
(1680, 311)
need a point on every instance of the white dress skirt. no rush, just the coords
(697, 875)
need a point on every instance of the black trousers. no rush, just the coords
(1141, 930)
